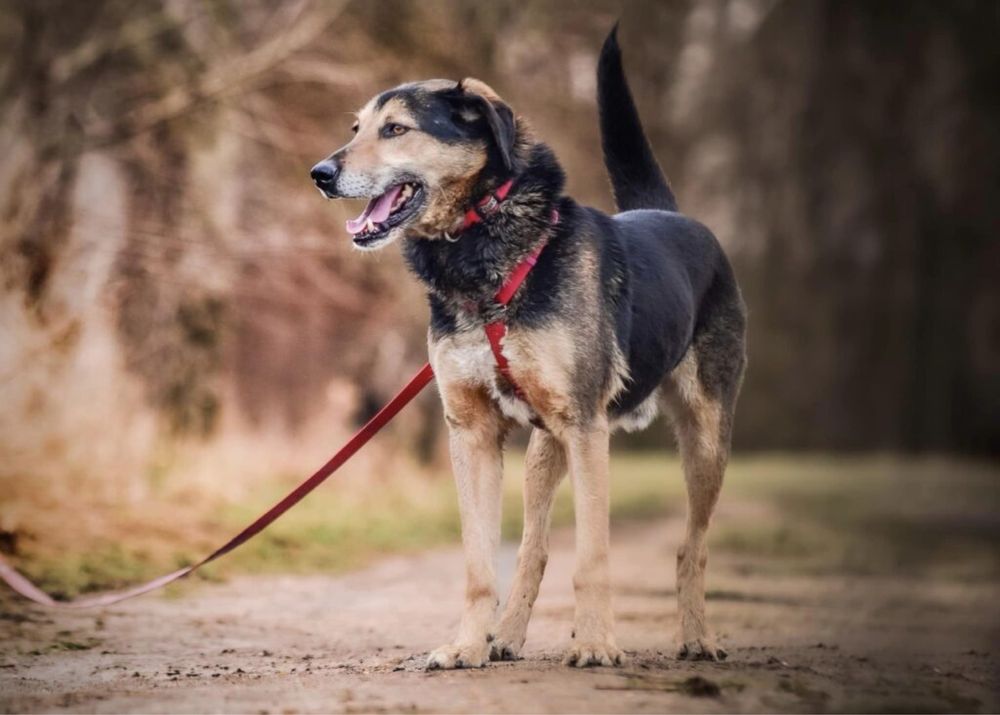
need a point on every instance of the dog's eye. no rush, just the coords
(394, 130)
(354, 127)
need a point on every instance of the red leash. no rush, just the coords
(417, 383)
(495, 332)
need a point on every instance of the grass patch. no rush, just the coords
(773, 541)
(867, 515)
(864, 515)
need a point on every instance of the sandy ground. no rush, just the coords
(357, 643)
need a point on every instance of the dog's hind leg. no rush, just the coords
(699, 396)
(476, 434)
(697, 420)
(545, 466)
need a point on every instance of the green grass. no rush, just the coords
(812, 513)
(868, 515)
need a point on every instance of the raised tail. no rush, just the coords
(636, 178)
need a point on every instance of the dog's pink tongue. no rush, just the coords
(377, 210)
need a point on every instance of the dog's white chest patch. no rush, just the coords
(467, 357)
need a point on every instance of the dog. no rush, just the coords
(620, 317)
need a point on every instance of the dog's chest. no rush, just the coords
(466, 358)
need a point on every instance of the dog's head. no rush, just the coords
(418, 152)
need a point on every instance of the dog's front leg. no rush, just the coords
(593, 633)
(545, 467)
(476, 438)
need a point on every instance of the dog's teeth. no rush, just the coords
(370, 225)
(403, 197)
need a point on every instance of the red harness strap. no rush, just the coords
(497, 329)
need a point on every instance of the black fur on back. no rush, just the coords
(636, 178)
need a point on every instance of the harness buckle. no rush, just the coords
(488, 207)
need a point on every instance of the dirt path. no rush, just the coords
(356, 643)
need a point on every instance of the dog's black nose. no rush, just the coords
(325, 174)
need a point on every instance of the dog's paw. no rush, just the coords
(702, 649)
(501, 649)
(449, 657)
(583, 655)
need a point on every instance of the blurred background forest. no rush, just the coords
(181, 314)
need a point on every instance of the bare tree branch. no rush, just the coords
(230, 78)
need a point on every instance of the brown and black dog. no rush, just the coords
(622, 315)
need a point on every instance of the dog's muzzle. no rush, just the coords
(325, 174)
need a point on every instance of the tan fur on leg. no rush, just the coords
(476, 436)
(698, 422)
(545, 467)
(594, 639)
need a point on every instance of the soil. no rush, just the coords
(357, 643)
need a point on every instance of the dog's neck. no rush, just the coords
(473, 266)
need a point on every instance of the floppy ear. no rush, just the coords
(500, 117)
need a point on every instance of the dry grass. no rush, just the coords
(864, 515)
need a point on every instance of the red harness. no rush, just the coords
(496, 329)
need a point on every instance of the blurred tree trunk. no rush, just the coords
(859, 146)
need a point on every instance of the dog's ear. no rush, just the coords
(479, 98)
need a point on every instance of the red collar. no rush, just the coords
(486, 206)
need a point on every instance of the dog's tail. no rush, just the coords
(636, 179)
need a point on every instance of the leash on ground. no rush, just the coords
(27, 589)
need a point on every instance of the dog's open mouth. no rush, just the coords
(385, 212)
